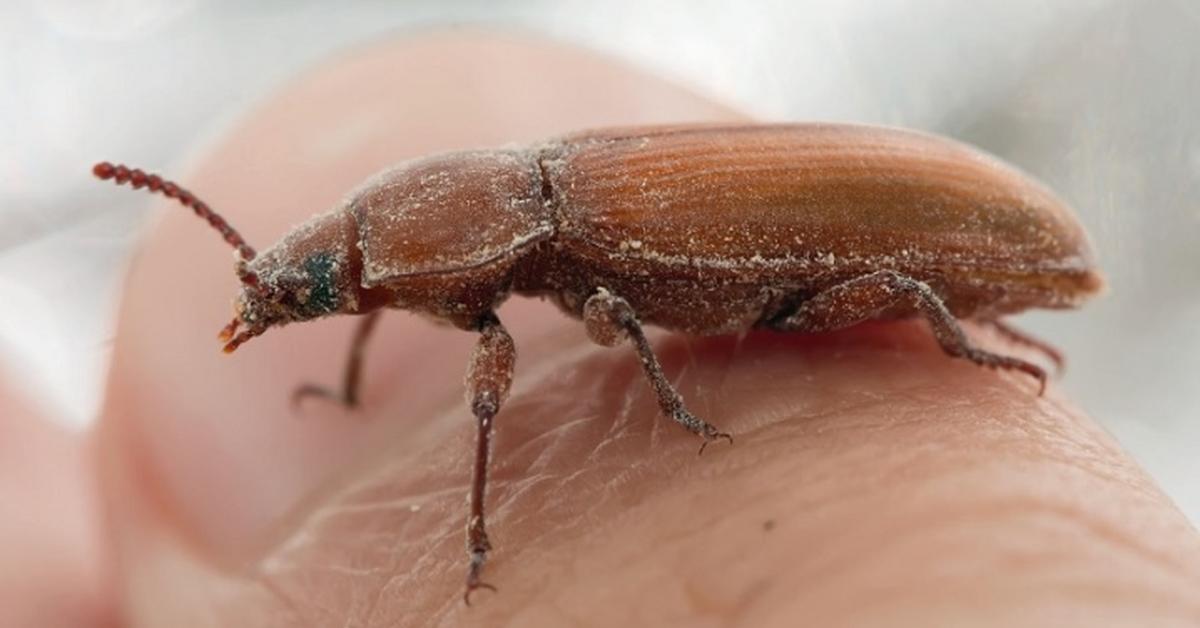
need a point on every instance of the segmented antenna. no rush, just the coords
(121, 174)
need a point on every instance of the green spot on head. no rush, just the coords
(323, 293)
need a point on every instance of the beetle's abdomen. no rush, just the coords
(807, 205)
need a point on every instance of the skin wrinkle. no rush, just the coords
(1110, 534)
(1019, 508)
(950, 522)
(1047, 431)
(543, 445)
(372, 607)
(388, 534)
(289, 605)
(1047, 444)
(621, 380)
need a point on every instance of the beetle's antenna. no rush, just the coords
(121, 174)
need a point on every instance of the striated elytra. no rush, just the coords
(702, 229)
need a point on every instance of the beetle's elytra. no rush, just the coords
(700, 229)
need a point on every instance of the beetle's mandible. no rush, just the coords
(699, 229)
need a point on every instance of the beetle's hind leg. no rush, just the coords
(348, 395)
(609, 320)
(866, 297)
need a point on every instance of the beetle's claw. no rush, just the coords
(710, 437)
(1033, 370)
(1040, 374)
(472, 587)
(473, 581)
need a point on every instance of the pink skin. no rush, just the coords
(54, 566)
(873, 479)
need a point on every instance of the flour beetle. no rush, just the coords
(700, 229)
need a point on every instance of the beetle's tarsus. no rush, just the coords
(715, 436)
(997, 361)
(473, 581)
(1023, 338)
(704, 430)
(480, 546)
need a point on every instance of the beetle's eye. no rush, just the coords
(321, 269)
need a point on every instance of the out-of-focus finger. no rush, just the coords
(53, 563)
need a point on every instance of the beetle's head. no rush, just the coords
(305, 276)
(289, 283)
(259, 306)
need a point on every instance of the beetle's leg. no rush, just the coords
(489, 377)
(1021, 337)
(609, 320)
(348, 395)
(863, 298)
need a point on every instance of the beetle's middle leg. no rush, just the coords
(348, 395)
(609, 320)
(865, 297)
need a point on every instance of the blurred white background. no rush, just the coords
(1098, 98)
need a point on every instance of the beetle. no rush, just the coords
(701, 229)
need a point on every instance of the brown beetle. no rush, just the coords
(700, 229)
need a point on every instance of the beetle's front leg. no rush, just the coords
(864, 298)
(609, 320)
(348, 395)
(489, 377)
